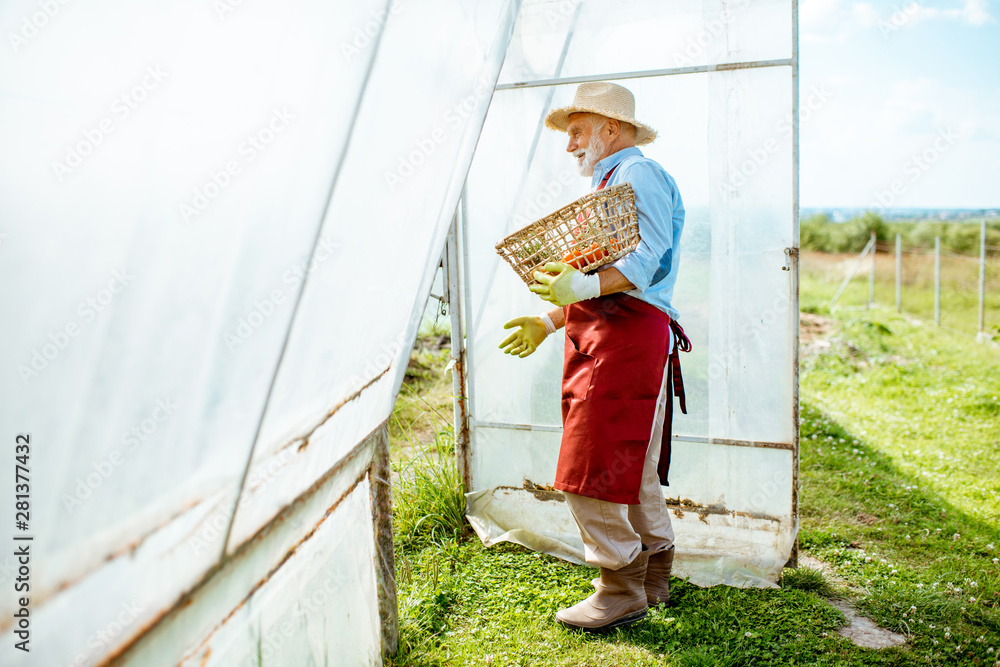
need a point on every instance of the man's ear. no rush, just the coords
(614, 128)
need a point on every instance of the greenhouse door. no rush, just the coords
(721, 88)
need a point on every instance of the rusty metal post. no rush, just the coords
(380, 481)
(792, 258)
(458, 352)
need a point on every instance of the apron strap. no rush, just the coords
(605, 181)
(683, 344)
(681, 341)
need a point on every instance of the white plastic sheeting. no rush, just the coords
(173, 174)
(720, 89)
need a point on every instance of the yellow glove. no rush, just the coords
(563, 285)
(527, 338)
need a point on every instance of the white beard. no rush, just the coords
(591, 156)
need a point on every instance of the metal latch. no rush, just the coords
(788, 258)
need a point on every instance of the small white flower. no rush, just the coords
(747, 634)
(972, 600)
(996, 560)
(990, 546)
(955, 536)
(913, 607)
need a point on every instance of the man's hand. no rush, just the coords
(563, 285)
(527, 338)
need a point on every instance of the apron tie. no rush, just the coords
(683, 344)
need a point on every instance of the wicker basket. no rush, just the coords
(595, 230)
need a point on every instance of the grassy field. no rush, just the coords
(822, 274)
(900, 503)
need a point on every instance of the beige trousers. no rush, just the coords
(613, 533)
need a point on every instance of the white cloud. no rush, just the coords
(836, 21)
(861, 143)
(973, 12)
(825, 21)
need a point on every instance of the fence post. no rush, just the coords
(871, 274)
(982, 279)
(899, 273)
(869, 247)
(937, 280)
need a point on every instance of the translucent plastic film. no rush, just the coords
(567, 38)
(727, 138)
(385, 228)
(164, 166)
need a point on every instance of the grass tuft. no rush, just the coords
(429, 506)
(806, 579)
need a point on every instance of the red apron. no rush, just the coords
(616, 352)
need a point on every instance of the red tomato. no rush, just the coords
(578, 258)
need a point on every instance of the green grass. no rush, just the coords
(425, 403)
(900, 500)
(901, 438)
(427, 494)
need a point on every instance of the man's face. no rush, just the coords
(585, 144)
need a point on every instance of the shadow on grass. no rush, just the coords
(915, 562)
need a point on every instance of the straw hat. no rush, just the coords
(606, 99)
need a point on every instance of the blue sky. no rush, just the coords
(913, 116)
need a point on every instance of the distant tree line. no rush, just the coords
(821, 234)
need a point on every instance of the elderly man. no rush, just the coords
(620, 347)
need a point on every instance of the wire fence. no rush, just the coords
(957, 292)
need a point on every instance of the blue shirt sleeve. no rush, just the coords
(655, 197)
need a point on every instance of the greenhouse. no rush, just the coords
(221, 225)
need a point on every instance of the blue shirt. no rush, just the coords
(652, 266)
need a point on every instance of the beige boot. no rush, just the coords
(619, 600)
(657, 582)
